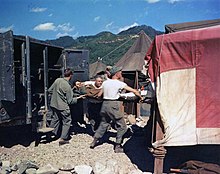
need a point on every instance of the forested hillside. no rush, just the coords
(106, 45)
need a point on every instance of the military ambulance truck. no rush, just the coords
(28, 67)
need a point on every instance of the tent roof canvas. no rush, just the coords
(170, 28)
(95, 68)
(133, 59)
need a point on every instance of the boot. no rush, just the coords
(62, 142)
(94, 143)
(118, 148)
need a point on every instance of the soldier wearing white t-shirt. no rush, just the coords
(110, 110)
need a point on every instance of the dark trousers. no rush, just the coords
(110, 111)
(94, 114)
(77, 113)
(63, 118)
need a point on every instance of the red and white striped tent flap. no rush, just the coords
(186, 68)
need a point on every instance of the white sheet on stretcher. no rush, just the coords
(126, 95)
(131, 94)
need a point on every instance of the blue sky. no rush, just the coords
(50, 19)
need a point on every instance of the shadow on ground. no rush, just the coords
(23, 135)
(178, 155)
(81, 129)
(136, 148)
(14, 135)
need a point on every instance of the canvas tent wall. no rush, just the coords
(185, 67)
(170, 28)
(132, 64)
(96, 68)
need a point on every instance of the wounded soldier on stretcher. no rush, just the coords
(133, 98)
(92, 92)
(147, 94)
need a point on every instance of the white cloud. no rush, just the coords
(61, 35)
(96, 19)
(75, 35)
(152, 1)
(67, 34)
(127, 27)
(173, 1)
(66, 27)
(38, 9)
(51, 14)
(45, 27)
(108, 25)
(4, 29)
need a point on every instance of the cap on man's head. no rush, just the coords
(114, 70)
(108, 68)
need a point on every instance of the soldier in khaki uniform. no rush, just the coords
(110, 110)
(61, 98)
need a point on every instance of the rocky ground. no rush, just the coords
(18, 145)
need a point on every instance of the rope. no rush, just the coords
(116, 48)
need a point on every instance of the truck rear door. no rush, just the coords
(7, 77)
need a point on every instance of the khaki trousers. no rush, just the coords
(110, 111)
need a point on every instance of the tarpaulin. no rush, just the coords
(170, 28)
(185, 68)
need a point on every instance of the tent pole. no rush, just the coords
(157, 131)
(136, 80)
(136, 87)
(159, 152)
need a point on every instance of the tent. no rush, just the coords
(132, 63)
(185, 67)
(133, 59)
(170, 28)
(96, 68)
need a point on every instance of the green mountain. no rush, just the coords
(151, 32)
(106, 45)
(65, 41)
